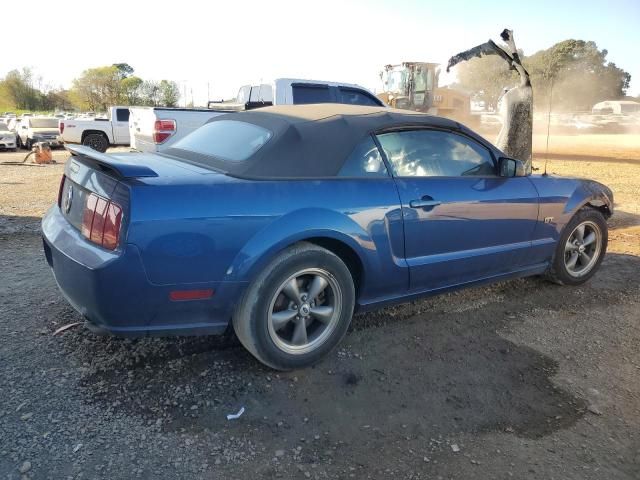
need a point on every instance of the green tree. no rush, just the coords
(57, 99)
(486, 77)
(6, 101)
(169, 93)
(150, 93)
(124, 70)
(98, 88)
(130, 89)
(18, 86)
(578, 73)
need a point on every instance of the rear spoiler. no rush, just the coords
(122, 168)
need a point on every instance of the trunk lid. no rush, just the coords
(99, 181)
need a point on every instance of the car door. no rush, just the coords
(462, 222)
(121, 126)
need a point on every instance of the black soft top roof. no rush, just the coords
(311, 140)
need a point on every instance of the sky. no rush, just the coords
(217, 46)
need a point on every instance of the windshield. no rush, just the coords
(423, 80)
(395, 80)
(44, 123)
(228, 140)
(3, 126)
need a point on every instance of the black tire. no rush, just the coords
(97, 141)
(29, 144)
(18, 142)
(253, 322)
(559, 272)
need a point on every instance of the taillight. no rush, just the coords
(97, 228)
(60, 189)
(163, 129)
(101, 221)
(61, 128)
(111, 233)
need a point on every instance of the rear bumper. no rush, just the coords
(112, 292)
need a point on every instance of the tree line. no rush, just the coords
(575, 73)
(95, 89)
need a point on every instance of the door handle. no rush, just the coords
(423, 203)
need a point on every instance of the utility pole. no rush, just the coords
(184, 92)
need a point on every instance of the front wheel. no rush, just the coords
(297, 309)
(580, 249)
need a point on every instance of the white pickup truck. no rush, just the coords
(98, 133)
(154, 129)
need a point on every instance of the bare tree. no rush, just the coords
(516, 105)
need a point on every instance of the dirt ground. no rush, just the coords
(522, 379)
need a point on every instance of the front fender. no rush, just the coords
(560, 199)
(589, 192)
(295, 227)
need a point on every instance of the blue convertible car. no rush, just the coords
(283, 221)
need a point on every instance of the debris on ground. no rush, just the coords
(595, 410)
(233, 416)
(66, 327)
(25, 467)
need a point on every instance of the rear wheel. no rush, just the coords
(580, 249)
(96, 141)
(297, 309)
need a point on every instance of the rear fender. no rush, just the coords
(295, 227)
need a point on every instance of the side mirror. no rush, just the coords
(510, 167)
(24, 127)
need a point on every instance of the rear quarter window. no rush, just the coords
(229, 140)
(364, 162)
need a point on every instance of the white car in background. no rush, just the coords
(13, 124)
(7, 138)
(38, 129)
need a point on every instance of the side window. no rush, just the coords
(303, 94)
(365, 161)
(435, 153)
(122, 114)
(353, 96)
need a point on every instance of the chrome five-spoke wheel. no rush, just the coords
(582, 249)
(297, 309)
(304, 311)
